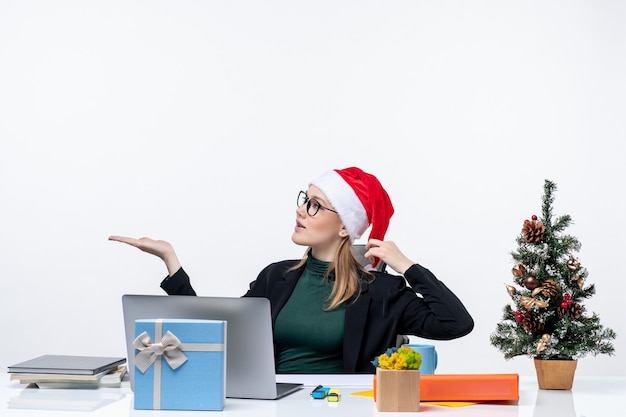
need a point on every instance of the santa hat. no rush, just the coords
(359, 199)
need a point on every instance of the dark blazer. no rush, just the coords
(385, 307)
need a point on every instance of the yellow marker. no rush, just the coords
(333, 395)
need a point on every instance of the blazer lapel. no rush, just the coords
(282, 291)
(355, 320)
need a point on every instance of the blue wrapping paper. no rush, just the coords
(198, 383)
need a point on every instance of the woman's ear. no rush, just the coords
(343, 232)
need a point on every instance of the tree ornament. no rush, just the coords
(578, 281)
(567, 301)
(533, 231)
(571, 310)
(531, 324)
(534, 217)
(545, 339)
(529, 302)
(510, 289)
(519, 270)
(572, 263)
(549, 288)
(518, 316)
(531, 282)
(536, 291)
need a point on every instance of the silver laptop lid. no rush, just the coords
(250, 369)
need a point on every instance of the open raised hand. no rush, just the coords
(160, 248)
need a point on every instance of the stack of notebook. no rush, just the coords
(65, 371)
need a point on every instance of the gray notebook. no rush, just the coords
(250, 371)
(67, 364)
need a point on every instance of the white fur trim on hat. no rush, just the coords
(345, 201)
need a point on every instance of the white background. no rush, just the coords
(199, 121)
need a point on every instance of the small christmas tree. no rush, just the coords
(549, 320)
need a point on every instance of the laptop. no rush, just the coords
(250, 367)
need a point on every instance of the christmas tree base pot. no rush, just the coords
(555, 374)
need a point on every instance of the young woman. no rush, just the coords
(330, 315)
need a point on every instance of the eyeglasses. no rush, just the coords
(312, 205)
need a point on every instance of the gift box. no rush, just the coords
(180, 364)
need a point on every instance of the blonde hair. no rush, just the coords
(345, 268)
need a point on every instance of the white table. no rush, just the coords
(601, 397)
